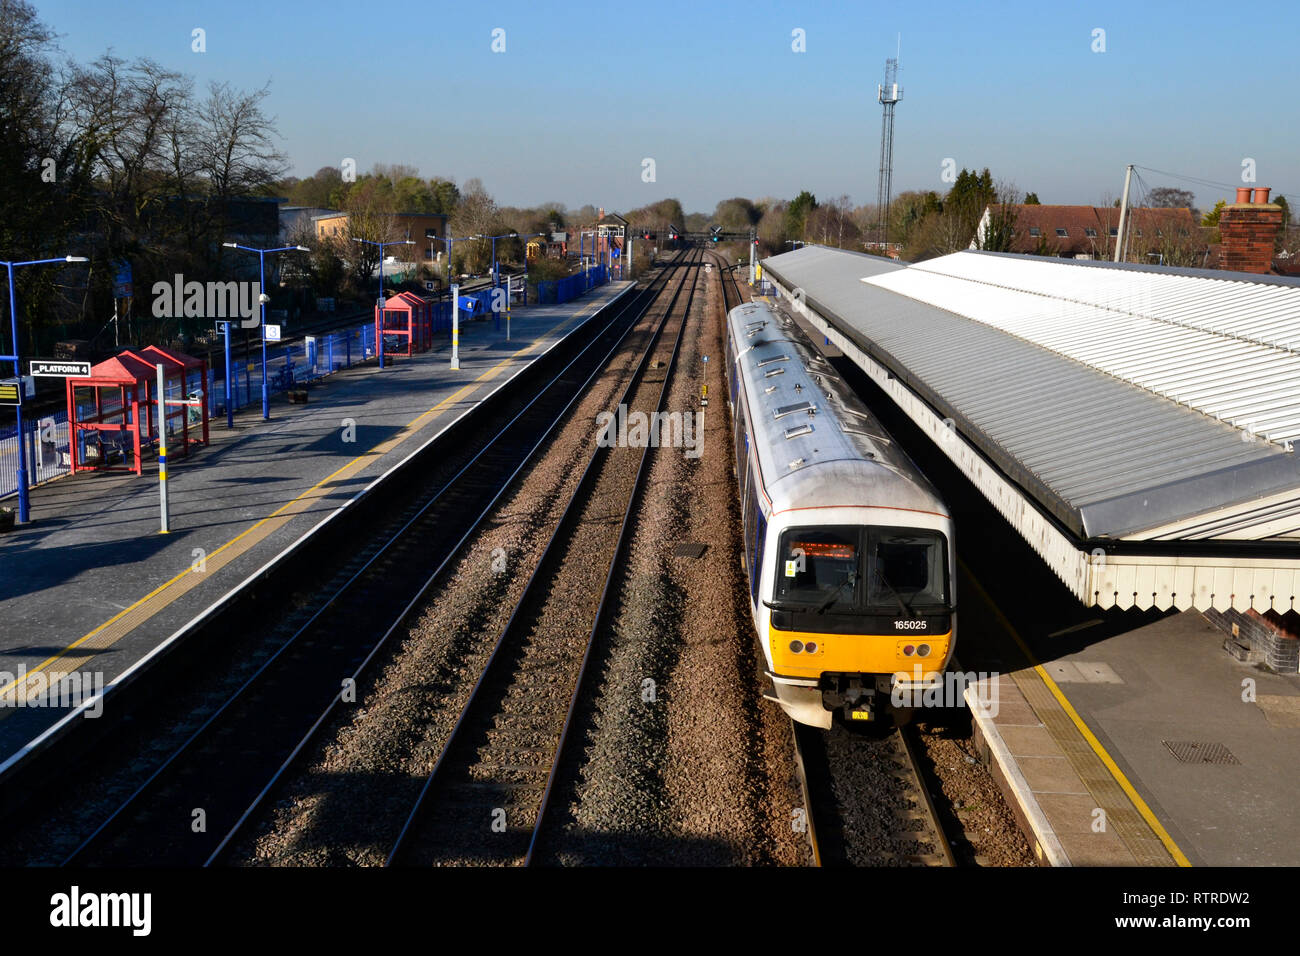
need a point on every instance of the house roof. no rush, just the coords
(397, 215)
(1076, 221)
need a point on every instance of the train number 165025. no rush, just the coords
(910, 625)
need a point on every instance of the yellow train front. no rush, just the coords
(848, 548)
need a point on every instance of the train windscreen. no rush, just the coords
(906, 566)
(848, 569)
(820, 567)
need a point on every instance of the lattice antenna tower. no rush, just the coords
(888, 93)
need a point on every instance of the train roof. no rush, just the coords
(817, 444)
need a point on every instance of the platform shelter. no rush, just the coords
(406, 324)
(104, 414)
(186, 402)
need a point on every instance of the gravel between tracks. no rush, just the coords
(527, 703)
(346, 806)
(682, 762)
(991, 835)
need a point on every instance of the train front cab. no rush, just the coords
(858, 618)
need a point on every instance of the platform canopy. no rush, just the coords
(156, 353)
(1134, 423)
(122, 370)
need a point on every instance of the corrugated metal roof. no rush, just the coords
(1105, 456)
(1225, 347)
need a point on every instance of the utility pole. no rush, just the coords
(888, 94)
(1120, 243)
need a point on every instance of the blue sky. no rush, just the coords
(713, 92)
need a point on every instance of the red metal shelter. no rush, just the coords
(107, 423)
(190, 377)
(408, 318)
(116, 411)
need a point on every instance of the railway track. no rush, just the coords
(866, 799)
(486, 799)
(200, 797)
(732, 293)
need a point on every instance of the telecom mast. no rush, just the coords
(888, 93)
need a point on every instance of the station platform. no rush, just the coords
(91, 587)
(1147, 745)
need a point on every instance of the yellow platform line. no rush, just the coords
(297, 503)
(1107, 761)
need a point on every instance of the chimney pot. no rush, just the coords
(1243, 194)
(1261, 194)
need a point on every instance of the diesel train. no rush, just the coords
(848, 548)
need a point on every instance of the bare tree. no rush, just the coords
(234, 143)
(475, 215)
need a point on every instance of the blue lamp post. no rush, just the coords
(379, 339)
(24, 505)
(496, 281)
(263, 298)
(451, 243)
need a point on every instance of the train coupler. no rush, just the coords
(854, 698)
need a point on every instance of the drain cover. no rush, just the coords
(689, 549)
(1198, 751)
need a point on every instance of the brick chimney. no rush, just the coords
(1248, 229)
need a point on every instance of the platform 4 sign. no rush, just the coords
(57, 368)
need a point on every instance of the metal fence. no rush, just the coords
(287, 366)
(566, 290)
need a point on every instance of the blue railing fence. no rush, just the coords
(287, 366)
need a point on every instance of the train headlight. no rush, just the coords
(811, 647)
(908, 650)
(796, 646)
(923, 650)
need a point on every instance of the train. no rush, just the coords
(848, 549)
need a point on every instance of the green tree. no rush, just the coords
(1031, 199)
(446, 196)
(413, 194)
(1279, 243)
(1211, 221)
(317, 189)
(656, 217)
(736, 215)
(796, 214)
